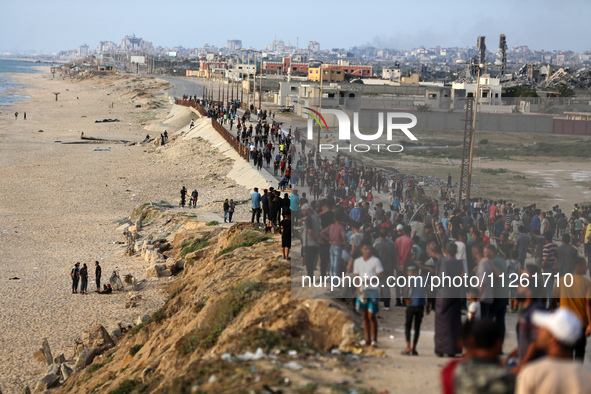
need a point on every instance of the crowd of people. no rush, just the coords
(346, 230)
(487, 239)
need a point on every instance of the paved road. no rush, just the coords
(184, 85)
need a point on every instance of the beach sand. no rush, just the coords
(58, 204)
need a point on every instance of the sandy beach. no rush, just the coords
(58, 204)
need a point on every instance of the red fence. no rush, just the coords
(201, 111)
(187, 103)
(241, 149)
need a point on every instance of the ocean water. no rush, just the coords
(8, 88)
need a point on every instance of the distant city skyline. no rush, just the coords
(42, 26)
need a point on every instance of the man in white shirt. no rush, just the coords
(369, 269)
(558, 331)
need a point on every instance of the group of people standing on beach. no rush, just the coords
(193, 199)
(79, 276)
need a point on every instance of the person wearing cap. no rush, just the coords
(576, 298)
(558, 332)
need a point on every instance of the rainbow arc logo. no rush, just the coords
(318, 115)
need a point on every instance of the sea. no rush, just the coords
(9, 94)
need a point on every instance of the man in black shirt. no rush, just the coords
(97, 274)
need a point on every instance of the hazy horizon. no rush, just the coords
(42, 26)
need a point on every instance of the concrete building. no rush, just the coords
(241, 71)
(82, 50)
(411, 79)
(107, 46)
(490, 90)
(355, 69)
(329, 74)
(392, 74)
(283, 65)
(313, 46)
(133, 43)
(234, 45)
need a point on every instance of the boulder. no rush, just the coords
(98, 338)
(85, 358)
(165, 273)
(46, 351)
(66, 372)
(47, 382)
(124, 227)
(171, 264)
(158, 270)
(142, 319)
(59, 359)
(180, 264)
(164, 246)
(54, 369)
(138, 224)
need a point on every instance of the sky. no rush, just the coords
(43, 25)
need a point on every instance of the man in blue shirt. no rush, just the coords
(355, 214)
(535, 222)
(396, 204)
(255, 198)
(294, 205)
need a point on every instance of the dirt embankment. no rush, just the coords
(231, 297)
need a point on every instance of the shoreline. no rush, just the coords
(60, 202)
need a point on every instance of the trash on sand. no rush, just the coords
(335, 351)
(15, 278)
(106, 121)
(292, 353)
(249, 356)
(101, 150)
(293, 366)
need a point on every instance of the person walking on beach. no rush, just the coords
(183, 196)
(194, 198)
(75, 275)
(97, 276)
(226, 210)
(15, 115)
(84, 279)
(231, 207)
(25, 116)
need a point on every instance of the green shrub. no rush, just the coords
(192, 246)
(213, 223)
(483, 141)
(94, 367)
(135, 349)
(244, 239)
